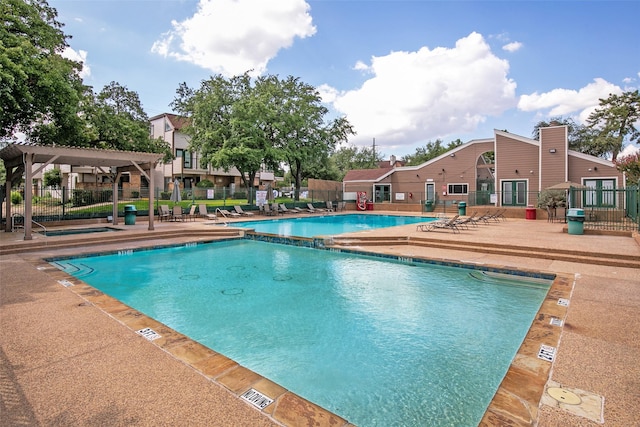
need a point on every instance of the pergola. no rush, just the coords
(28, 160)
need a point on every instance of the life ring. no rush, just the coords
(362, 201)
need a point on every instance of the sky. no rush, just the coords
(404, 73)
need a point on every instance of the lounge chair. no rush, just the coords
(202, 211)
(227, 214)
(313, 209)
(164, 214)
(329, 206)
(176, 214)
(240, 211)
(444, 223)
(283, 208)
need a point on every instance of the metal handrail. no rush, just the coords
(41, 226)
(223, 215)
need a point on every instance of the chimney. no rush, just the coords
(392, 160)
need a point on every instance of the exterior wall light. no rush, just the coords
(552, 150)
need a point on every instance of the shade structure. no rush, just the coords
(175, 194)
(565, 186)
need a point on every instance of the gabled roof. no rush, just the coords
(177, 122)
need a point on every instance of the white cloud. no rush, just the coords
(512, 47)
(234, 36)
(562, 102)
(78, 56)
(428, 94)
(628, 150)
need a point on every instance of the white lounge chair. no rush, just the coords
(202, 211)
(240, 211)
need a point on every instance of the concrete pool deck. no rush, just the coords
(66, 361)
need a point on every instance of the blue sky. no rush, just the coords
(402, 72)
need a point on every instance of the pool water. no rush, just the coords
(376, 341)
(311, 226)
(72, 231)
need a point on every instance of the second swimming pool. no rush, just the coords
(377, 342)
(328, 225)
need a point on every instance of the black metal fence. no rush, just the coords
(605, 209)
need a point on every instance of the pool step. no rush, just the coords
(115, 237)
(618, 260)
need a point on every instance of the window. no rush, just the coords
(601, 193)
(167, 125)
(187, 159)
(458, 189)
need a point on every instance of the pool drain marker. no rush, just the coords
(256, 398)
(65, 283)
(564, 396)
(547, 353)
(149, 334)
(556, 322)
(563, 302)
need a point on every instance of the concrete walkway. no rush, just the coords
(65, 361)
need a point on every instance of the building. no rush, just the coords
(507, 170)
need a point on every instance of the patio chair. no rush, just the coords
(164, 213)
(240, 211)
(202, 211)
(192, 213)
(176, 214)
(329, 206)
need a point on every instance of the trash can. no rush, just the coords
(129, 215)
(575, 221)
(369, 206)
(428, 206)
(462, 208)
(530, 212)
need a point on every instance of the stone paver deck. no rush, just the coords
(70, 356)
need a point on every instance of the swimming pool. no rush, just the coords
(327, 225)
(375, 341)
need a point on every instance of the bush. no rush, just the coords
(135, 194)
(16, 197)
(165, 195)
(205, 183)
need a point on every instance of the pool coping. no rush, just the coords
(515, 402)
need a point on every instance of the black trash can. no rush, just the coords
(130, 215)
(462, 208)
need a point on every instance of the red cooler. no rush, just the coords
(530, 212)
(369, 206)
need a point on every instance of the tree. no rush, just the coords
(117, 121)
(247, 124)
(630, 165)
(227, 124)
(351, 157)
(53, 178)
(430, 151)
(614, 122)
(38, 87)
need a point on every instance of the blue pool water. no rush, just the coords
(328, 225)
(378, 342)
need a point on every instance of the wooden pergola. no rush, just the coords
(27, 160)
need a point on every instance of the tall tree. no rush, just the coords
(226, 124)
(429, 151)
(38, 87)
(117, 121)
(613, 123)
(301, 133)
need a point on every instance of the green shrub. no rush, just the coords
(135, 194)
(16, 197)
(205, 183)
